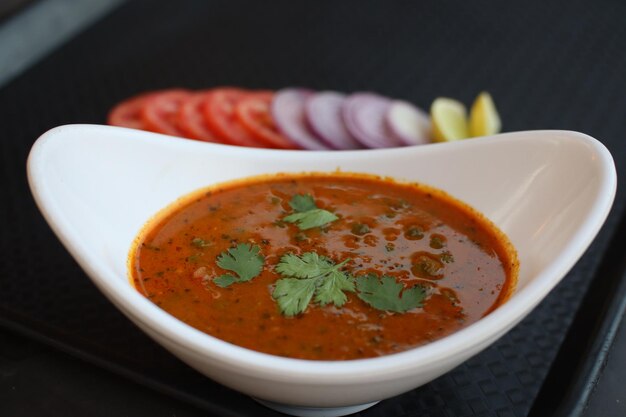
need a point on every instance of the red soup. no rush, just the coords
(324, 266)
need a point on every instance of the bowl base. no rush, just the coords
(295, 410)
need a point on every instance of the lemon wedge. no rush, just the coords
(484, 119)
(449, 120)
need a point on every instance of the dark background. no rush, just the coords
(558, 64)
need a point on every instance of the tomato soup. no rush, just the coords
(324, 266)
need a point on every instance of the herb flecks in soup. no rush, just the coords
(324, 266)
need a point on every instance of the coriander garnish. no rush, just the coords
(307, 276)
(302, 202)
(414, 233)
(446, 257)
(307, 215)
(360, 229)
(244, 260)
(387, 294)
(312, 277)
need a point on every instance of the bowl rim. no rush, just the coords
(387, 367)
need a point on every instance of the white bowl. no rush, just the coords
(549, 191)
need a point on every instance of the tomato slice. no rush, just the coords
(128, 112)
(253, 111)
(219, 113)
(160, 112)
(191, 120)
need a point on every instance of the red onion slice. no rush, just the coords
(288, 113)
(408, 123)
(364, 115)
(323, 112)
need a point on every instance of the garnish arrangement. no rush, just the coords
(311, 277)
(323, 266)
(297, 118)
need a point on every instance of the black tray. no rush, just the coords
(547, 65)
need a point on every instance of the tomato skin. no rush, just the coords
(191, 119)
(224, 115)
(160, 112)
(128, 112)
(253, 112)
(219, 112)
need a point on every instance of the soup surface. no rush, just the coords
(323, 266)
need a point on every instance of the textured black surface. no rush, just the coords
(36, 380)
(548, 65)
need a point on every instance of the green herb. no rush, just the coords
(307, 276)
(307, 215)
(425, 265)
(360, 229)
(446, 257)
(414, 233)
(331, 290)
(302, 202)
(437, 241)
(225, 280)
(390, 247)
(244, 260)
(387, 294)
(293, 295)
(200, 243)
(309, 265)
(311, 219)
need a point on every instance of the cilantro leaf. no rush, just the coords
(311, 219)
(332, 289)
(447, 257)
(310, 275)
(307, 215)
(225, 280)
(293, 295)
(384, 294)
(244, 260)
(309, 265)
(302, 202)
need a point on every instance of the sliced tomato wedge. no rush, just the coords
(160, 112)
(128, 112)
(253, 112)
(191, 120)
(219, 113)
